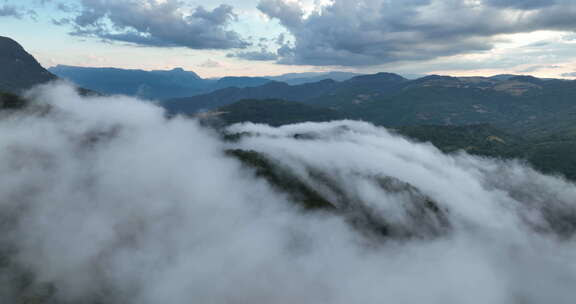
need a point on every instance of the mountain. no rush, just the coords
(516, 104)
(483, 139)
(18, 69)
(548, 153)
(11, 101)
(270, 90)
(157, 84)
(239, 82)
(146, 84)
(175, 83)
(274, 112)
(302, 78)
(321, 93)
(517, 117)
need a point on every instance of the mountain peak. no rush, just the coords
(527, 78)
(6, 42)
(382, 76)
(178, 70)
(20, 70)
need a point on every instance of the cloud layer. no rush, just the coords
(109, 201)
(371, 32)
(157, 23)
(9, 11)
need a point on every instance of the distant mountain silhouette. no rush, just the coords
(145, 84)
(270, 90)
(18, 69)
(175, 83)
(312, 93)
(302, 78)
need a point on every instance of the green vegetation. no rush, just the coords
(282, 179)
(11, 101)
(482, 139)
(433, 220)
(548, 153)
(514, 117)
(274, 112)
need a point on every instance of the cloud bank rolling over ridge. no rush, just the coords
(120, 204)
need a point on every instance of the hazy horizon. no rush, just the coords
(274, 37)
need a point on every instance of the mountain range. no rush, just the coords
(512, 102)
(510, 116)
(164, 84)
(505, 116)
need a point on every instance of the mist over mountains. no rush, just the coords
(147, 209)
(367, 190)
(503, 116)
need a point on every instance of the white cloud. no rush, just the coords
(372, 32)
(209, 63)
(167, 23)
(108, 199)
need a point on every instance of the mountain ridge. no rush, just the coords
(174, 83)
(19, 70)
(391, 100)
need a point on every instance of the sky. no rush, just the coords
(269, 37)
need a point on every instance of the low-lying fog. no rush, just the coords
(109, 201)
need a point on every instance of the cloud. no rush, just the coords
(372, 32)
(118, 204)
(573, 74)
(535, 68)
(60, 21)
(158, 23)
(65, 8)
(260, 51)
(10, 11)
(210, 64)
(522, 4)
(19, 12)
(262, 55)
(290, 14)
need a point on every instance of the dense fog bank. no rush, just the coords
(104, 200)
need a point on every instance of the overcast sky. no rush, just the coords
(265, 37)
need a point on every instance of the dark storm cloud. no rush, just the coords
(370, 32)
(290, 14)
(150, 23)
